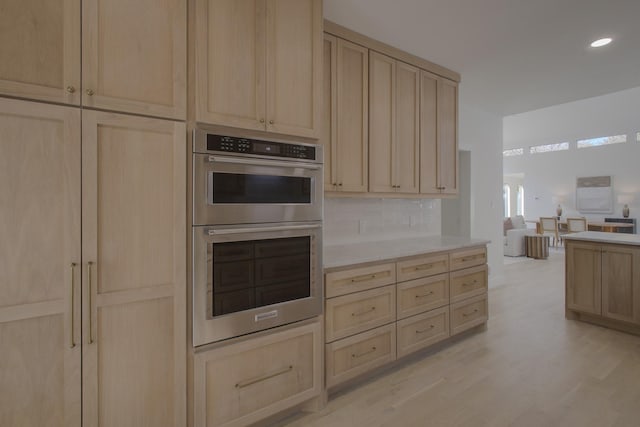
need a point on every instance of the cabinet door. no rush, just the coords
(39, 272)
(428, 134)
(230, 63)
(40, 50)
(621, 283)
(134, 56)
(448, 136)
(382, 77)
(134, 230)
(329, 112)
(352, 117)
(583, 270)
(294, 66)
(407, 137)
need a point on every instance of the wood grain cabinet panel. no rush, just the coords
(346, 118)
(419, 295)
(350, 314)
(621, 283)
(422, 266)
(39, 265)
(468, 282)
(468, 313)
(353, 356)
(423, 330)
(245, 382)
(584, 278)
(258, 64)
(359, 279)
(467, 258)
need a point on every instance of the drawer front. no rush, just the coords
(350, 314)
(350, 357)
(242, 383)
(468, 258)
(468, 283)
(468, 313)
(423, 330)
(359, 279)
(420, 295)
(423, 266)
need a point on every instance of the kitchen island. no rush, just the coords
(387, 299)
(602, 282)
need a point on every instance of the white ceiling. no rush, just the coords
(514, 55)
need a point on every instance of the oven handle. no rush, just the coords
(258, 162)
(260, 229)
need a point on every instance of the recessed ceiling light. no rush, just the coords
(601, 42)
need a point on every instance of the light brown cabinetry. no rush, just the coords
(394, 107)
(438, 135)
(345, 115)
(246, 381)
(258, 64)
(371, 320)
(106, 315)
(133, 54)
(603, 280)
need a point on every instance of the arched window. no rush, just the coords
(506, 198)
(520, 201)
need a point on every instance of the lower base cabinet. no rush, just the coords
(245, 382)
(469, 313)
(422, 330)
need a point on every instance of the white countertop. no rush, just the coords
(362, 252)
(600, 237)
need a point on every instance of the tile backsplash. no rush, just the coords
(357, 220)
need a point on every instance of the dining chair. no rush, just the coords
(576, 225)
(549, 227)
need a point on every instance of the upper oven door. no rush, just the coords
(249, 190)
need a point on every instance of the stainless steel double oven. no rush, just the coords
(257, 234)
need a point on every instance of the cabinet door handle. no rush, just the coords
(271, 122)
(470, 284)
(423, 267)
(425, 330)
(363, 278)
(261, 120)
(90, 92)
(469, 314)
(89, 271)
(72, 342)
(355, 356)
(425, 295)
(361, 313)
(71, 89)
(252, 381)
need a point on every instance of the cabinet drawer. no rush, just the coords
(468, 313)
(359, 279)
(349, 314)
(420, 295)
(423, 266)
(422, 330)
(468, 283)
(242, 383)
(467, 258)
(350, 357)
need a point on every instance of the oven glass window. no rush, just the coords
(260, 272)
(247, 188)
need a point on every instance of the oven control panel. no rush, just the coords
(230, 144)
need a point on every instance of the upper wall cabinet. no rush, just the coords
(438, 135)
(394, 126)
(346, 107)
(133, 54)
(259, 64)
(40, 50)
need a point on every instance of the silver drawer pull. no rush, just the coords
(470, 284)
(361, 313)
(355, 356)
(363, 278)
(424, 295)
(423, 267)
(425, 330)
(470, 314)
(247, 383)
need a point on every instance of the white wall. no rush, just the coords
(554, 174)
(481, 133)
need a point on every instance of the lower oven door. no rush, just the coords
(250, 278)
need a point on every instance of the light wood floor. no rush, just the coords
(531, 367)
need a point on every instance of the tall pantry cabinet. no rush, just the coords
(92, 247)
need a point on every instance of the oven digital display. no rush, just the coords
(262, 148)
